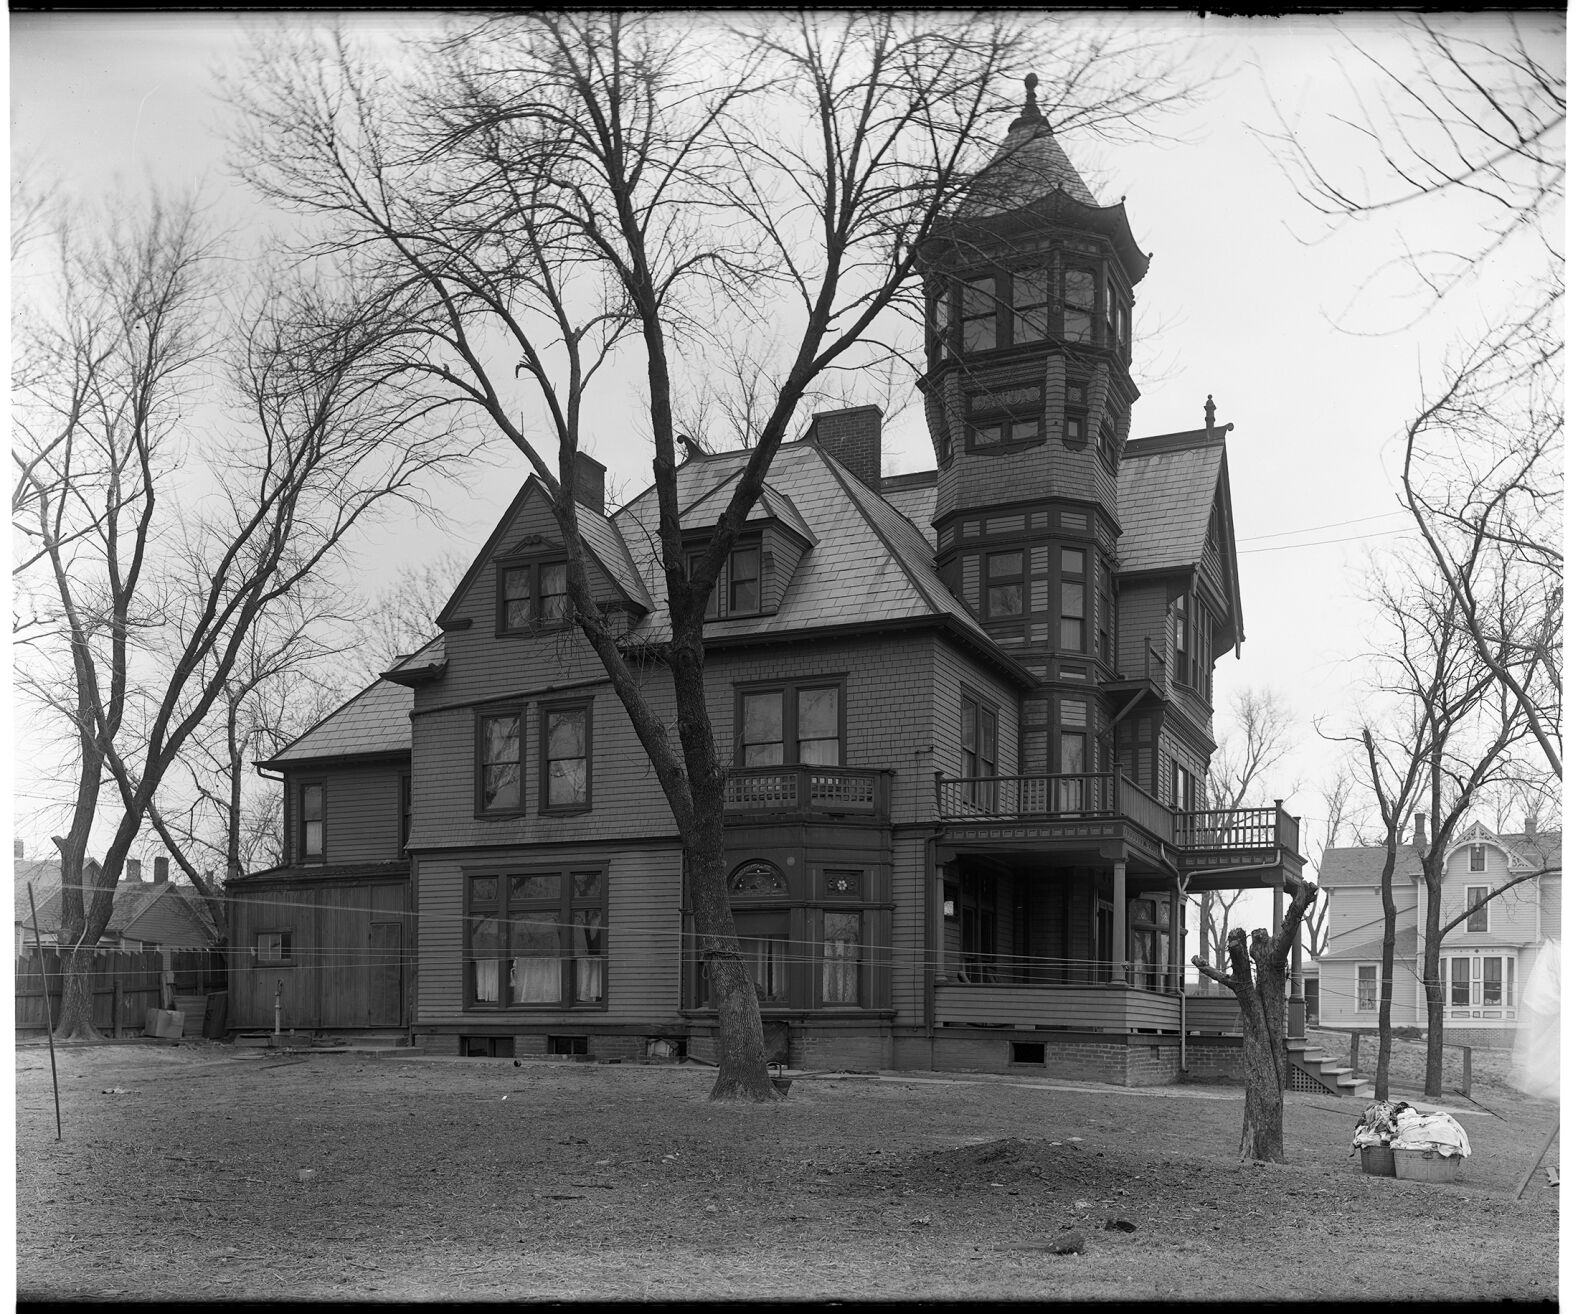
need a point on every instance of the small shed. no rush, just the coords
(332, 943)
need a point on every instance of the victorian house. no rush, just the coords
(1487, 960)
(968, 713)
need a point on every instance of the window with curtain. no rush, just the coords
(536, 938)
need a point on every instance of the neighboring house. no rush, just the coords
(967, 714)
(146, 915)
(326, 932)
(1485, 961)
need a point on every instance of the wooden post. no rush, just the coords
(1468, 1069)
(116, 1005)
(1353, 1051)
(1120, 918)
(49, 1013)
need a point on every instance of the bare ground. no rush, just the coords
(220, 1174)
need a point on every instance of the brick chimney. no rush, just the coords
(21, 850)
(853, 438)
(134, 870)
(589, 482)
(1419, 830)
(1528, 827)
(161, 870)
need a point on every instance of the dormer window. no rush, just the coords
(739, 587)
(745, 580)
(531, 595)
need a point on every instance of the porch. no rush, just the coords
(1125, 1009)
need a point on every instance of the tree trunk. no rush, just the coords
(742, 1053)
(1265, 1057)
(1259, 979)
(1383, 1019)
(1435, 1000)
(76, 996)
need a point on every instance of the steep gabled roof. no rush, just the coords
(377, 720)
(914, 496)
(601, 539)
(868, 565)
(1168, 487)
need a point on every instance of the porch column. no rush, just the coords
(1296, 1015)
(1120, 923)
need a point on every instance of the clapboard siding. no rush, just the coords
(912, 971)
(953, 673)
(363, 810)
(643, 914)
(627, 801)
(333, 978)
(1142, 615)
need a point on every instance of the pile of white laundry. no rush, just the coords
(1430, 1131)
(1403, 1127)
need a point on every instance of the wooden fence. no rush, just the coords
(125, 986)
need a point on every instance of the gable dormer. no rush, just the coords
(763, 561)
(518, 584)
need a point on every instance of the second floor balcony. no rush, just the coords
(807, 790)
(1200, 837)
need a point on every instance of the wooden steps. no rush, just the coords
(1328, 1073)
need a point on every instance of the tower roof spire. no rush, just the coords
(1028, 166)
(1031, 115)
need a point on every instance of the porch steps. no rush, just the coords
(1324, 1071)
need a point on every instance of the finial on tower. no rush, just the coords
(1210, 412)
(1031, 114)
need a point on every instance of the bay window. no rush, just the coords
(536, 938)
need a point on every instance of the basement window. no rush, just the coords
(567, 1045)
(1027, 1051)
(487, 1047)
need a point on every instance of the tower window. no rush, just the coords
(978, 317)
(1117, 320)
(1071, 606)
(1005, 584)
(1079, 305)
(1030, 301)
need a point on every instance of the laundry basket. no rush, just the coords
(1426, 1165)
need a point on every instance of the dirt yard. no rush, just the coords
(200, 1172)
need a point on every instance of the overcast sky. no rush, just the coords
(1239, 303)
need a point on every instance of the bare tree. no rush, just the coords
(1466, 139)
(559, 190)
(1438, 737)
(1482, 478)
(1258, 978)
(210, 813)
(181, 471)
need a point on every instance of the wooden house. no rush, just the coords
(156, 915)
(326, 934)
(967, 712)
(1485, 961)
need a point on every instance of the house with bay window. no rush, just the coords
(966, 712)
(1486, 960)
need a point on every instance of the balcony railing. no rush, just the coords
(806, 789)
(1054, 797)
